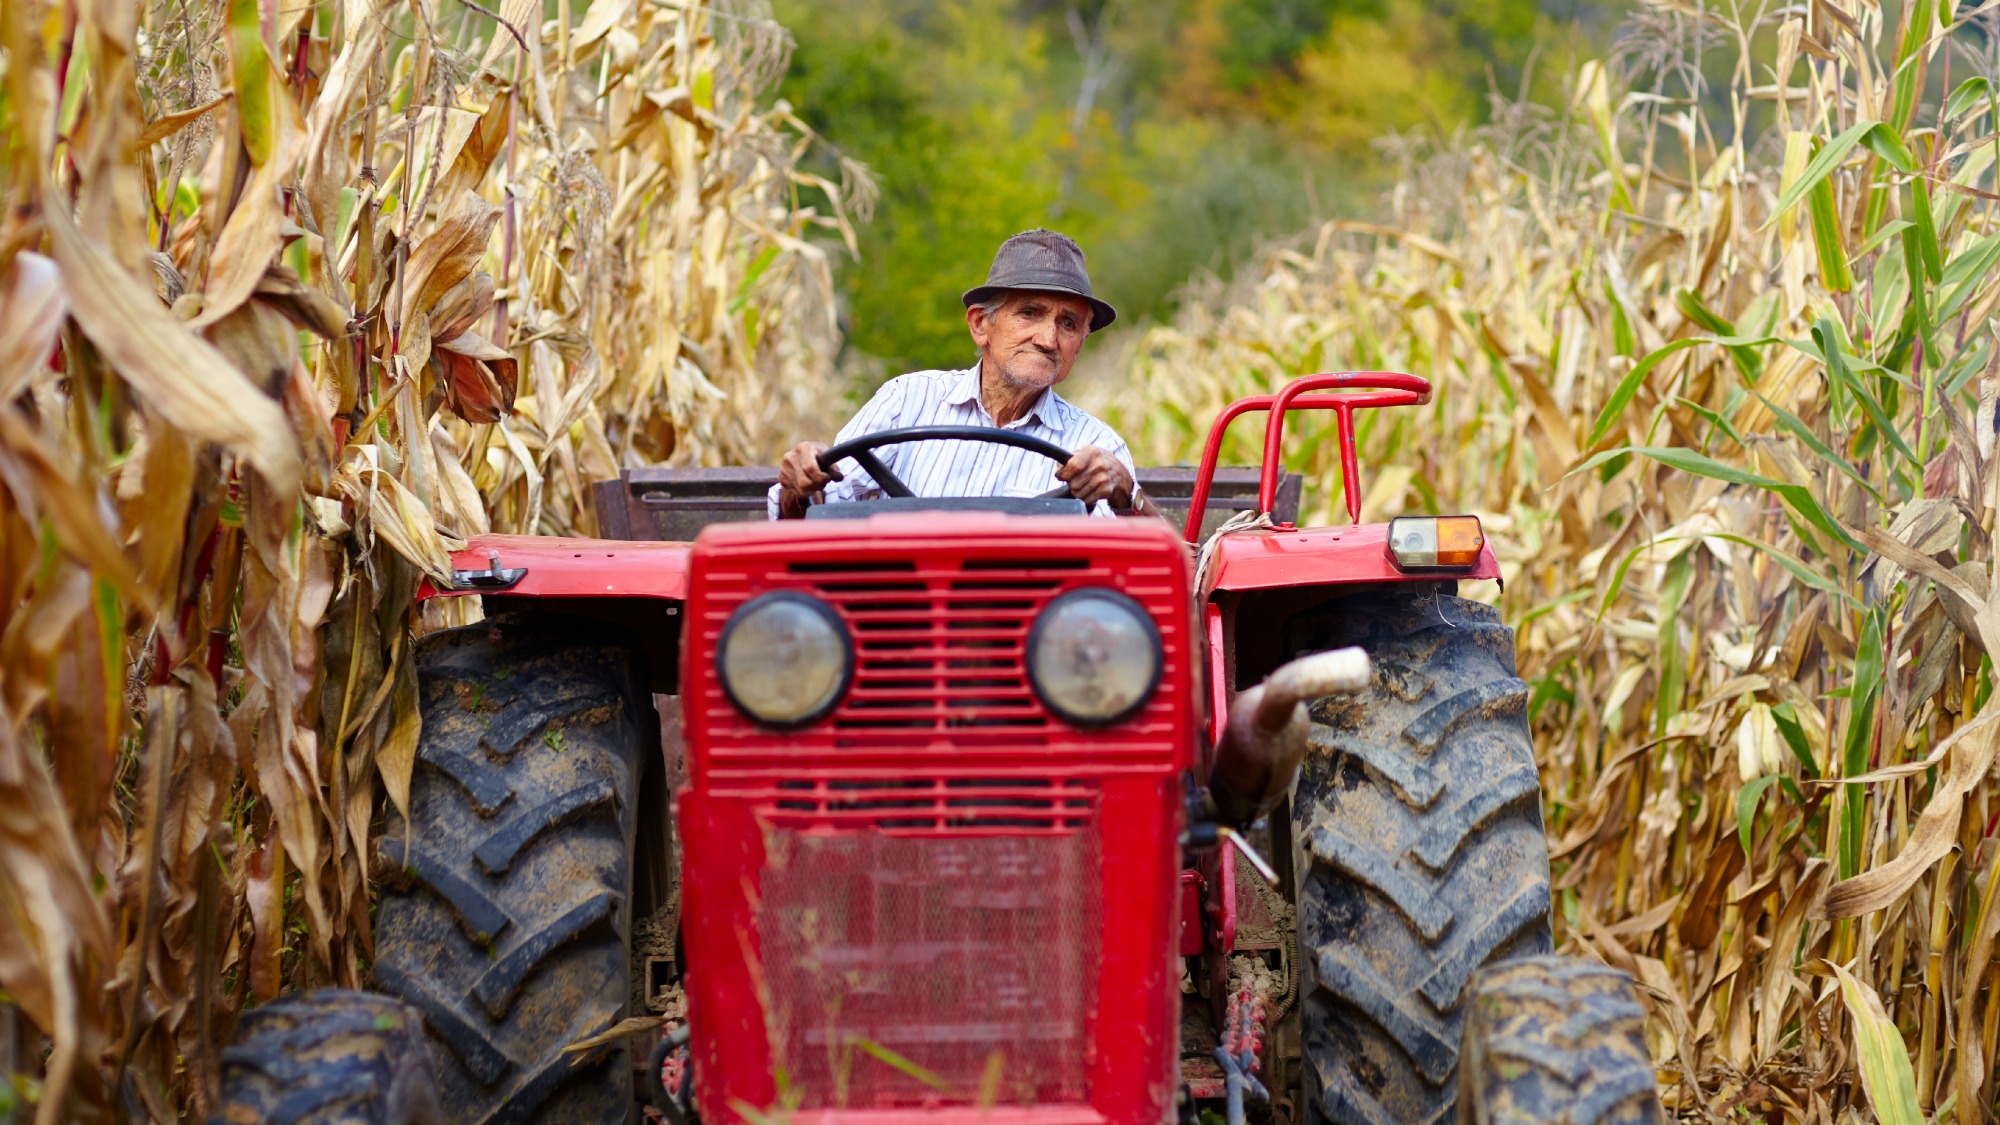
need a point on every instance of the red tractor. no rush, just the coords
(959, 806)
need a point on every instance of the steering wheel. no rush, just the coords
(862, 450)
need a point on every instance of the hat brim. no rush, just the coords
(1101, 312)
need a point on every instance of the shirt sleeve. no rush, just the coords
(881, 412)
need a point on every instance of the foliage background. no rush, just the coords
(1169, 138)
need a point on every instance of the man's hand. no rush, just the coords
(1095, 475)
(800, 479)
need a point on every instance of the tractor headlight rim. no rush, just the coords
(744, 687)
(1138, 692)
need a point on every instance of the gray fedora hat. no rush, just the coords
(1047, 262)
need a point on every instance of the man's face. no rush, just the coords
(1033, 339)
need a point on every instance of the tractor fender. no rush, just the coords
(553, 567)
(1350, 555)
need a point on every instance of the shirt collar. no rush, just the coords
(966, 390)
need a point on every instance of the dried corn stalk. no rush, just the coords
(292, 298)
(1727, 410)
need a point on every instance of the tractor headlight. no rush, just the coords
(785, 659)
(1093, 657)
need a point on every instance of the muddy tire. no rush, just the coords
(1555, 1041)
(506, 905)
(1420, 855)
(328, 1058)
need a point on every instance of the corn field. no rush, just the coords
(1716, 364)
(293, 298)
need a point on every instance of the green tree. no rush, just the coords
(1171, 139)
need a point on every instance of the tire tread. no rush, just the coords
(329, 1057)
(1423, 851)
(504, 917)
(1560, 1041)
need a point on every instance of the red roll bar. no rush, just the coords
(1360, 390)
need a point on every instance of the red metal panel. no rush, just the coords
(1321, 556)
(996, 1115)
(575, 568)
(937, 752)
(1218, 677)
(1191, 944)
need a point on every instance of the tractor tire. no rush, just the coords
(328, 1058)
(506, 906)
(1556, 1041)
(1421, 858)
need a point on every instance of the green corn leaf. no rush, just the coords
(1822, 165)
(1621, 395)
(1885, 1059)
(1746, 807)
(900, 1064)
(1888, 144)
(1909, 60)
(1794, 425)
(1715, 420)
(1617, 582)
(1622, 337)
(1859, 740)
(1914, 266)
(1965, 274)
(1887, 231)
(250, 66)
(1853, 362)
(1828, 241)
(1972, 94)
(1828, 338)
(1794, 734)
(1688, 461)
(1799, 570)
(1691, 306)
(1926, 233)
(1745, 357)
(1673, 664)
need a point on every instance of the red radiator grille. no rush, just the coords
(937, 969)
(957, 805)
(940, 651)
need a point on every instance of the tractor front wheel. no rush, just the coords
(1556, 1041)
(507, 900)
(330, 1057)
(1421, 858)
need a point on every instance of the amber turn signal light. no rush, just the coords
(1421, 542)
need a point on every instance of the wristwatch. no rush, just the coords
(1136, 505)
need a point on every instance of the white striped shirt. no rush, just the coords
(964, 468)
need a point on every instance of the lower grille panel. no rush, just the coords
(930, 970)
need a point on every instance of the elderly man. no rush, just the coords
(1029, 321)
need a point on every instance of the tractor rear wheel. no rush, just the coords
(506, 907)
(329, 1057)
(1421, 858)
(1555, 1041)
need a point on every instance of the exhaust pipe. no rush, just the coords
(1265, 738)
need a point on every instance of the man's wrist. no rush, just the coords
(1136, 503)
